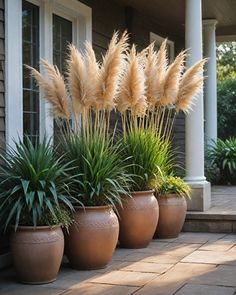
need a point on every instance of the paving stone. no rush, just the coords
(101, 289)
(113, 265)
(172, 253)
(73, 279)
(214, 257)
(223, 275)
(147, 267)
(125, 278)
(162, 258)
(166, 240)
(205, 290)
(199, 238)
(179, 249)
(153, 247)
(135, 256)
(219, 245)
(230, 238)
(120, 254)
(174, 279)
(30, 290)
(232, 249)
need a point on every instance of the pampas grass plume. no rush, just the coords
(190, 85)
(110, 72)
(132, 88)
(171, 80)
(54, 89)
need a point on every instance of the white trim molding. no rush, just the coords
(13, 66)
(170, 44)
(81, 17)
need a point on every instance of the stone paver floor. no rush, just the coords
(194, 263)
(223, 199)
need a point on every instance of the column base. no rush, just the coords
(200, 196)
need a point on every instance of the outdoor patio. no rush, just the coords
(194, 263)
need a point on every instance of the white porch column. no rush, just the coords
(210, 89)
(194, 130)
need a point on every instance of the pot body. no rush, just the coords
(37, 253)
(92, 238)
(173, 210)
(138, 219)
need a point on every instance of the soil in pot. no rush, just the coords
(37, 253)
(92, 238)
(172, 215)
(138, 219)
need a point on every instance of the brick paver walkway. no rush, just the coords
(194, 263)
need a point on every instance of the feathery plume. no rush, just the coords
(190, 85)
(132, 88)
(156, 73)
(54, 89)
(171, 80)
(151, 80)
(80, 88)
(110, 72)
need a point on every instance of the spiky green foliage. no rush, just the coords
(148, 154)
(100, 171)
(33, 189)
(170, 184)
(222, 157)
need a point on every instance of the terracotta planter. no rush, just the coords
(37, 253)
(92, 238)
(172, 215)
(138, 219)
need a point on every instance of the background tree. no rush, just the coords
(226, 90)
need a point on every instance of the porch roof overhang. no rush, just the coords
(171, 14)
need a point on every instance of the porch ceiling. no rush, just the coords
(171, 13)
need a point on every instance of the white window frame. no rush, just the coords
(158, 40)
(81, 17)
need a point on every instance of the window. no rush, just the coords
(37, 29)
(62, 36)
(170, 45)
(30, 50)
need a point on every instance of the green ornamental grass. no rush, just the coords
(99, 171)
(34, 186)
(148, 155)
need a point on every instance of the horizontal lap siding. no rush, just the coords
(179, 140)
(2, 59)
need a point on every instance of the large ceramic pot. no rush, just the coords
(172, 215)
(138, 219)
(37, 253)
(92, 238)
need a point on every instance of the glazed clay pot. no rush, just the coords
(37, 253)
(138, 219)
(172, 215)
(92, 237)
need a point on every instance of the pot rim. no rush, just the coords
(170, 195)
(38, 227)
(136, 193)
(84, 208)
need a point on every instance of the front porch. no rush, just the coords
(194, 263)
